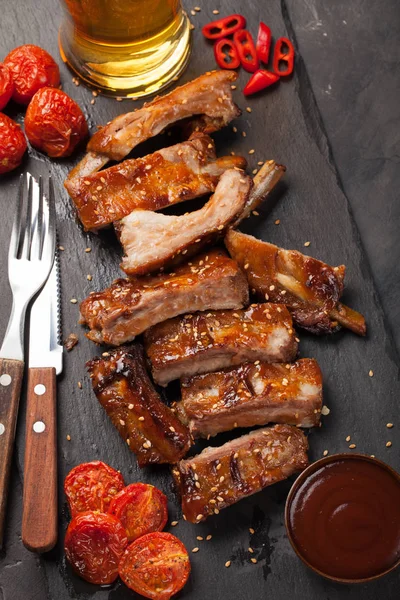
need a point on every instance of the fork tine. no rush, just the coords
(37, 235)
(16, 228)
(49, 241)
(27, 229)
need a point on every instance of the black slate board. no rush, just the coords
(285, 125)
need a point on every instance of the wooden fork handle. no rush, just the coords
(39, 516)
(11, 373)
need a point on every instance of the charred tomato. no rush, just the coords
(155, 565)
(54, 123)
(32, 68)
(94, 544)
(12, 144)
(141, 508)
(92, 486)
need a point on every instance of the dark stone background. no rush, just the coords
(336, 127)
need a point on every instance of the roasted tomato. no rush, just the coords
(54, 123)
(92, 486)
(94, 544)
(12, 144)
(32, 68)
(6, 85)
(141, 508)
(156, 565)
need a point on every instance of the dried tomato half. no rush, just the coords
(141, 508)
(94, 544)
(54, 123)
(32, 68)
(12, 144)
(155, 565)
(92, 486)
(6, 85)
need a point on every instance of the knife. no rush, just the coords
(39, 517)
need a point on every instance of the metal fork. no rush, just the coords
(30, 258)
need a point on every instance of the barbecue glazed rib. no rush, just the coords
(252, 394)
(310, 288)
(129, 306)
(152, 240)
(149, 427)
(209, 341)
(219, 477)
(169, 176)
(209, 95)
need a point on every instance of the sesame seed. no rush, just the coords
(260, 162)
(174, 523)
(271, 287)
(140, 418)
(307, 244)
(208, 538)
(244, 134)
(191, 26)
(255, 171)
(219, 466)
(199, 517)
(251, 550)
(105, 354)
(119, 99)
(89, 277)
(251, 151)
(193, 13)
(253, 560)
(389, 425)
(93, 101)
(80, 385)
(195, 549)
(371, 373)
(248, 109)
(197, 484)
(325, 411)
(197, 8)
(388, 444)
(130, 406)
(228, 564)
(73, 300)
(233, 87)
(199, 538)
(61, 248)
(68, 437)
(221, 479)
(348, 438)
(215, 12)
(325, 452)
(255, 213)
(277, 221)
(88, 249)
(251, 530)
(216, 511)
(352, 446)
(122, 422)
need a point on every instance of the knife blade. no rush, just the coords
(39, 517)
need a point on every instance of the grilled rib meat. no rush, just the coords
(209, 341)
(169, 176)
(129, 306)
(149, 427)
(219, 477)
(310, 288)
(174, 237)
(252, 394)
(210, 95)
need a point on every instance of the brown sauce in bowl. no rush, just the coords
(343, 519)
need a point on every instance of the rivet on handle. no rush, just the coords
(2, 429)
(39, 427)
(39, 389)
(5, 379)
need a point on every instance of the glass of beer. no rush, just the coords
(126, 48)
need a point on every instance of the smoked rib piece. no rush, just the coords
(168, 176)
(209, 341)
(122, 311)
(153, 240)
(219, 477)
(310, 288)
(252, 394)
(123, 388)
(209, 95)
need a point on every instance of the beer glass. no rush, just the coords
(126, 48)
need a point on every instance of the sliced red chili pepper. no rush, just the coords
(263, 44)
(283, 53)
(223, 27)
(260, 80)
(246, 50)
(226, 54)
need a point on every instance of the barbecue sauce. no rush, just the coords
(345, 519)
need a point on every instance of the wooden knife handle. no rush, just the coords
(39, 516)
(11, 373)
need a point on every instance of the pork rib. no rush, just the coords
(310, 288)
(145, 423)
(129, 306)
(152, 240)
(169, 176)
(209, 341)
(210, 95)
(219, 477)
(252, 394)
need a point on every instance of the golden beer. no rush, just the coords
(125, 47)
